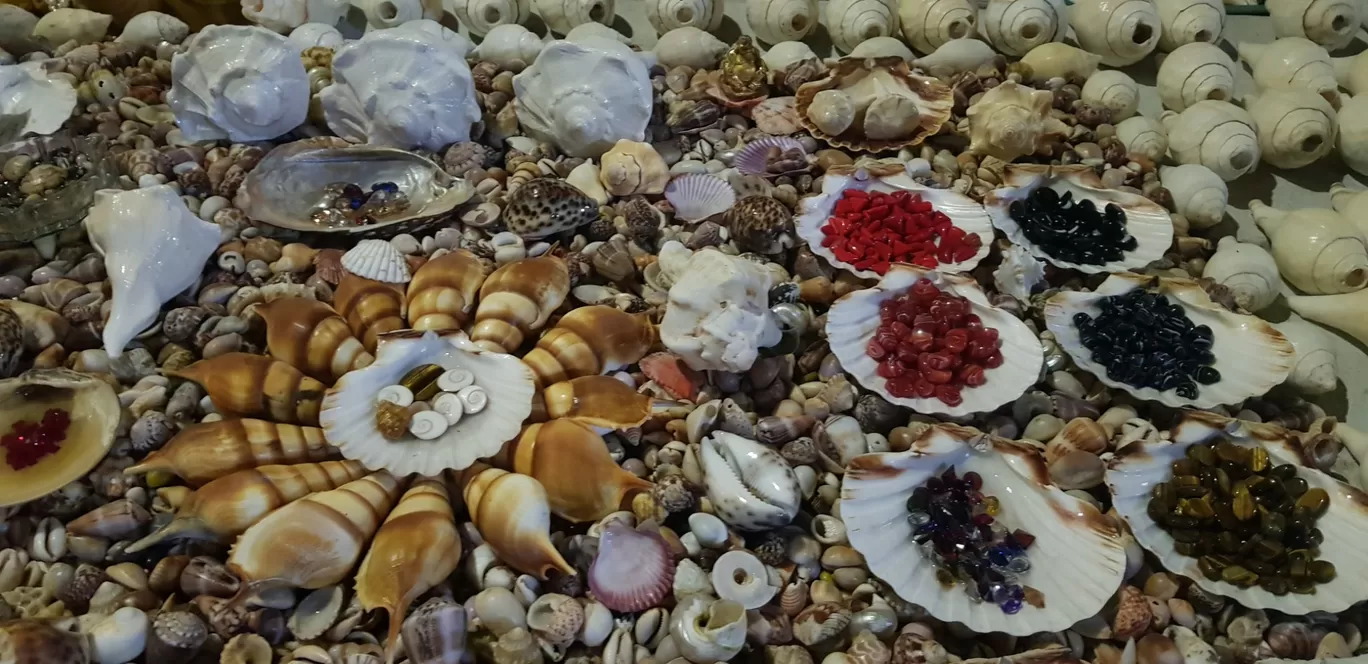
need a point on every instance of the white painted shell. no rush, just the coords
(1136, 469)
(850, 22)
(242, 83)
(698, 196)
(1114, 90)
(778, 21)
(1122, 32)
(1292, 62)
(706, 629)
(148, 29)
(1077, 560)
(284, 16)
(1314, 371)
(584, 96)
(385, 14)
(1318, 250)
(47, 102)
(1194, 72)
(1060, 60)
(1017, 26)
(1189, 21)
(309, 35)
(1248, 270)
(853, 320)
(926, 24)
(740, 577)
(1251, 356)
(689, 46)
(1215, 134)
(563, 15)
(1330, 23)
(1352, 73)
(1019, 273)
(509, 45)
(1146, 221)
(1143, 135)
(750, 485)
(1199, 194)
(666, 15)
(348, 412)
(964, 212)
(1296, 127)
(378, 260)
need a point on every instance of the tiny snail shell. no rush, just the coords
(455, 380)
(473, 398)
(428, 424)
(740, 577)
(396, 394)
(450, 406)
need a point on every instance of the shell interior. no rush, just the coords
(95, 413)
(854, 319)
(868, 80)
(1251, 356)
(752, 159)
(1077, 561)
(1146, 221)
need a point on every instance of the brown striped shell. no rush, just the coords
(371, 308)
(310, 336)
(590, 341)
(206, 451)
(247, 385)
(517, 300)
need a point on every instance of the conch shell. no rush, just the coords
(632, 168)
(589, 341)
(512, 514)
(247, 385)
(572, 463)
(308, 334)
(207, 451)
(898, 107)
(1248, 270)
(443, 291)
(1012, 121)
(517, 300)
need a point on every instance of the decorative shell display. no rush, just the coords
(1189, 21)
(484, 17)
(926, 24)
(963, 211)
(1314, 371)
(1195, 72)
(1296, 127)
(776, 21)
(509, 45)
(854, 319)
(1136, 469)
(95, 413)
(1122, 32)
(1248, 270)
(666, 15)
(717, 319)
(584, 96)
(1079, 556)
(1317, 250)
(1012, 121)
(897, 107)
(284, 188)
(1292, 62)
(1215, 134)
(1016, 26)
(1330, 23)
(47, 102)
(242, 83)
(1143, 135)
(850, 22)
(377, 260)
(348, 412)
(283, 16)
(563, 15)
(1251, 356)
(1114, 90)
(1059, 60)
(1199, 194)
(1146, 221)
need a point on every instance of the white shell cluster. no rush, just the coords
(242, 83)
(459, 396)
(584, 96)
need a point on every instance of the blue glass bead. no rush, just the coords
(385, 186)
(354, 203)
(998, 593)
(1011, 606)
(1015, 592)
(998, 556)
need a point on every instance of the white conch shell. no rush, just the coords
(377, 260)
(666, 15)
(1113, 90)
(47, 101)
(707, 630)
(16, 30)
(882, 47)
(1194, 72)
(1318, 250)
(751, 487)
(596, 30)
(482, 17)
(1012, 120)
(1330, 23)
(957, 55)
(1017, 26)
(1123, 32)
(383, 14)
(1189, 21)
(691, 47)
(1060, 60)
(404, 87)
(60, 26)
(348, 412)
(740, 577)
(1019, 273)
(1352, 138)
(511, 46)
(1296, 127)
(1199, 194)
(1347, 312)
(151, 28)
(1352, 204)
(584, 96)
(309, 35)
(154, 248)
(1143, 135)
(1292, 62)
(563, 15)
(1248, 270)
(633, 168)
(284, 16)
(1077, 561)
(242, 83)
(850, 22)
(779, 21)
(720, 319)
(1314, 371)
(1215, 134)
(929, 23)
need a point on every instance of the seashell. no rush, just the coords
(760, 224)
(1113, 90)
(562, 15)
(1015, 27)
(1122, 33)
(571, 462)
(926, 24)
(1199, 194)
(546, 206)
(1215, 134)
(1314, 370)
(1012, 121)
(499, 610)
(882, 47)
(95, 413)
(113, 520)
(517, 300)
(154, 248)
(39, 642)
(380, 16)
(240, 83)
(667, 15)
(435, 633)
(838, 441)
(1317, 250)
(248, 385)
(555, 619)
(309, 35)
(699, 196)
(759, 155)
(1330, 23)
(66, 24)
(1195, 72)
(175, 634)
(590, 341)
(316, 613)
(631, 168)
(41, 103)
(751, 486)
(1248, 270)
(506, 43)
(1352, 142)
(689, 46)
(443, 292)
(1019, 273)
(708, 630)
(377, 260)
(850, 22)
(1295, 127)
(207, 451)
(820, 623)
(371, 308)
(1251, 356)
(513, 517)
(1059, 60)
(308, 334)
(288, 16)
(1185, 22)
(776, 21)
(740, 577)
(563, 97)
(876, 484)
(902, 110)
(1292, 62)
(246, 649)
(730, 291)
(206, 576)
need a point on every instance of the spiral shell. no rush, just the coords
(1317, 250)
(555, 618)
(1123, 33)
(1330, 23)
(850, 22)
(1016, 26)
(247, 385)
(1198, 194)
(370, 308)
(1143, 135)
(666, 15)
(513, 517)
(1292, 62)
(1296, 127)
(37, 642)
(929, 23)
(581, 480)
(1314, 371)
(310, 336)
(442, 294)
(1189, 21)
(562, 15)
(518, 299)
(482, 16)
(776, 21)
(1215, 134)
(589, 341)
(1113, 90)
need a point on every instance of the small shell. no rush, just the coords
(1248, 270)
(555, 618)
(632, 570)
(316, 613)
(820, 622)
(754, 159)
(1144, 136)
(377, 260)
(699, 196)
(751, 486)
(631, 167)
(1199, 194)
(1315, 368)
(740, 577)
(1113, 90)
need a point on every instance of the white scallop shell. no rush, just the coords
(853, 320)
(242, 83)
(45, 102)
(1146, 221)
(750, 160)
(698, 196)
(348, 413)
(750, 485)
(1134, 472)
(1251, 356)
(1077, 561)
(963, 212)
(378, 260)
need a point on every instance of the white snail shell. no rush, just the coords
(666, 15)
(1248, 270)
(1215, 134)
(852, 21)
(1194, 72)
(1330, 23)
(450, 406)
(396, 394)
(1314, 368)
(1123, 33)
(1188, 21)
(1017, 26)
(1296, 127)
(1144, 136)
(473, 399)
(428, 424)
(1114, 90)
(929, 23)
(455, 380)
(775, 21)
(1199, 194)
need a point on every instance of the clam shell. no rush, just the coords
(348, 413)
(1251, 355)
(378, 260)
(94, 410)
(1146, 220)
(962, 211)
(1077, 561)
(750, 160)
(698, 196)
(1138, 467)
(866, 80)
(854, 319)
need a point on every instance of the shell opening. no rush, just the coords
(387, 10)
(1142, 33)
(684, 15)
(1331, 96)
(1356, 278)
(1216, 94)
(871, 31)
(597, 12)
(1312, 143)
(741, 577)
(1339, 23)
(491, 15)
(1030, 31)
(1203, 36)
(1241, 160)
(958, 29)
(799, 23)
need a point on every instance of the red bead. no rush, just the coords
(874, 350)
(949, 395)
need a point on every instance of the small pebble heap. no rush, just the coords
(1073, 231)
(347, 204)
(427, 401)
(872, 229)
(29, 442)
(1145, 340)
(929, 344)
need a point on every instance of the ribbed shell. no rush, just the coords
(775, 21)
(371, 308)
(850, 22)
(929, 23)
(698, 196)
(377, 260)
(517, 300)
(751, 160)
(1016, 26)
(512, 514)
(310, 336)
(442, 294)
(867, 80)
(589, 341)
(572, 463)
(247, 385)
(206, 451)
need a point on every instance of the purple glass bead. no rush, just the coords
(1011, 606)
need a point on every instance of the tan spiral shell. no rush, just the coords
(601, 401)
(517, 300)
(589, 341)
(371, 308)
(246, 385)
(513, 517)
(310, 336)
(443, 291)
(207, 451)
(572, 463)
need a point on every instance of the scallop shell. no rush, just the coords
(1078, 558)
(889, 83)
(1251, 355)
(1146, 221)
(816, 210)
(698, 196)
(854, 319)
(348, 414)
(1138, 467)
(750, 160)
(377, 260)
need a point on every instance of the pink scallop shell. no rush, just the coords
(751, 159)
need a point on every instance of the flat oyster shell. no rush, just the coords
(94, 410)
(242, 83)
(283, 189)
(46, 102)
(1077, 562)
(865, 81)
(1251, 355)
(584, 96)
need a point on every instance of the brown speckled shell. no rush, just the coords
(760, 224)
(937, 98)
(11, 342)
(546, 206)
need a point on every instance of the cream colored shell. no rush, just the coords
(850, 22)
(562, 15)
(775, 21)
(1123, 32)
(1352, 73)
(1318, 250)
(1194, 72)
(1143, 135)
(1352, 137)
(1199, 194)
(929, 23)
(382, 14)
(1314, 371)
(1330, 23)
(1215, 134)
(1346, 312)
(1114, 90)
(631, 167)
(1189, 21)
(1059, 60)
(1292, 62)
(482, 16)
(884, 47)
(1014, 27)
(666, 15)
(1248, 270)
(1353, 204)
(957, 55)
(1296, 127)
(1012, 120)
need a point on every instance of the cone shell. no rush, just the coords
(513, 516)
(601, 401)
(865, 80)
(315, 541)
(589, 341)
(1251, 355)
(371, 308)
(309, 336)
(1077, 561)
(572, 463)
(247, 385)
(207, 451)
(443, 291)
(517, 300)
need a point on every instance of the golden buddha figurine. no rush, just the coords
(743, 72)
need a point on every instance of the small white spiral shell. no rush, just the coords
(666, 15)
(1296, 127)
(1215, 134)
(450, 406)
(396, 394)
(455, 380)
(1314, 368)
(929, 23)
(428, 424)
(481, 16)
(775, 21)
(1194, 72)
(1188, 21)
(473, 399)
(1199, 194)
(1330, 23)
(1143, 135)
(1123, 33)
(1115, 91)
(1248, 270)
(1014, 27)
(852, 21)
